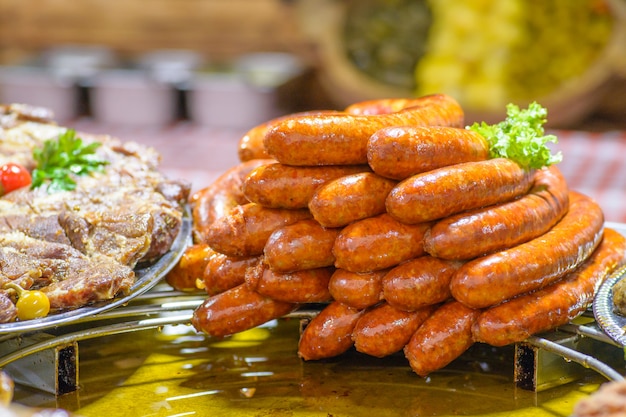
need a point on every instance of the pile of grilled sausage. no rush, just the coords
(393, 217)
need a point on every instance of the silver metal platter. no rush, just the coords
(613, 324)
(146, 278)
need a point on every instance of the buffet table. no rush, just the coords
(593, 162)
(163, 368)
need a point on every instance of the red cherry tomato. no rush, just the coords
(12, 177)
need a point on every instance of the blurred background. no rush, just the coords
(240, 62)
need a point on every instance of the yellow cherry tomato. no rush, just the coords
(32, 305)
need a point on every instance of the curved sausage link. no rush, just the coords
(419, 282)
(377, 243)
(285, 186)
(217, 199)
(498, 277)
(485, 230)
(384, 330)
(305, 286)
(449, 190)
(190, 268)
(554, 305)
(302, 245)
(350, 198)
(244, 231)
(329, 333)
(224, 272)
(341, 139)
(399, 152)
(236, 310)
(444, 336)
(358, 290)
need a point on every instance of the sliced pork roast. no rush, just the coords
(81, 246)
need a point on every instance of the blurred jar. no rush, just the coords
(40, 87)
(245, 94)
(132, 97)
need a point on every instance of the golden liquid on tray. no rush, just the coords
(177, 372)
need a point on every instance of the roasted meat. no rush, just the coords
(81, 246)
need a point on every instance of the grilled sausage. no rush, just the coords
(358, 290)
(377, 243)
(384, 105)
(445, 191)
(399, 152)
(185, 275)
(495, 278)
(329, 333)
(224, 272)
(442, 337)
(554, 305)
(341, 139)
(245, 229)
(236, 310)
(384, 330)
(481, 231)
(350, 198)
(419, 282)
(306, 286)
(284, 186)
(250, 145)
(216, 200)
(302, 245)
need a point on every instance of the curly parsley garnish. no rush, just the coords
(61, 158)
(520, 137)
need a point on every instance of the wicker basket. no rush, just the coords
(322, 22)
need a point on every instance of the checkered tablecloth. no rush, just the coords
(593, 163)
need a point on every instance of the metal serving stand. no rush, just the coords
(48, 359)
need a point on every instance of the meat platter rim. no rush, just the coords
(613, 324)
(146, 278)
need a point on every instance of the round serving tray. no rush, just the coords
(146, 278)
(613, 324)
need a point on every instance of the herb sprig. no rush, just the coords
(521, 137)
(62, 158)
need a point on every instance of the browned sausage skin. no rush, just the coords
(224, 272)
(350, 198)
(498, 277)
(306, 286)
(383, 106)
(284, 186)
(245, 229)
(236, 310)
(419, 282)
(449, 190)
(377, 243)
(442, 337)
(251, 143)
(384, 330)
(341, 139)
(329, 333)
(399, 152)
(554, 305)
(481, 231)
(358, 290)
(189, 270)
(216, 200)
(302, 245)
